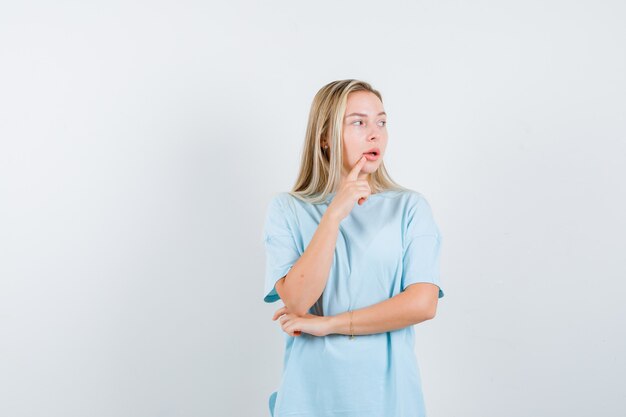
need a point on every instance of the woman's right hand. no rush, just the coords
(351, 191)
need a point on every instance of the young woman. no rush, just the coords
(355, 259)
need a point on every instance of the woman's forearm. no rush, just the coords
(306, 280)
(394, 313)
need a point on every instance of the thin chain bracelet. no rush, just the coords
(351, 330)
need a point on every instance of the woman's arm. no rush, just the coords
(417, 303)
(304, 283)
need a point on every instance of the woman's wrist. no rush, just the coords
(339, 324)
(330, 218)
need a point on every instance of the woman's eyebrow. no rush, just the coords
(364, 115)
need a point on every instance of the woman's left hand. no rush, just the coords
(294, 325)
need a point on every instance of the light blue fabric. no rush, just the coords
(383, 246)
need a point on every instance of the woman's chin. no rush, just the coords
(372, 166)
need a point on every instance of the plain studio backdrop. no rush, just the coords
(140, 143)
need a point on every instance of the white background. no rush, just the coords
(140, 143)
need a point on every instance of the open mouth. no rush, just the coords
(372, 155)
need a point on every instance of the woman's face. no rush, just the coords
(364, 128)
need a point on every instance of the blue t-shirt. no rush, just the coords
(384, 245)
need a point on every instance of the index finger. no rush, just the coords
(354, 172)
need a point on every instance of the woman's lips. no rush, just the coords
(371, 157)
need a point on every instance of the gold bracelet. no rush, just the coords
(351, 330)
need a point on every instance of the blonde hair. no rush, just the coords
(320, 175)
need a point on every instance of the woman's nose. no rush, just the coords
(374, 132)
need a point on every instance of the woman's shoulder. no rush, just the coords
(283, 202)
(277, 202)
(279, 197)
(407, 195)
(413, 203)
(286, 199)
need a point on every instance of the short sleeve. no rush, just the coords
(422, 246)
(280, 248)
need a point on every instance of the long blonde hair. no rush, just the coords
(320, 174)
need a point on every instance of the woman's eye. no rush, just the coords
(384, 122)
